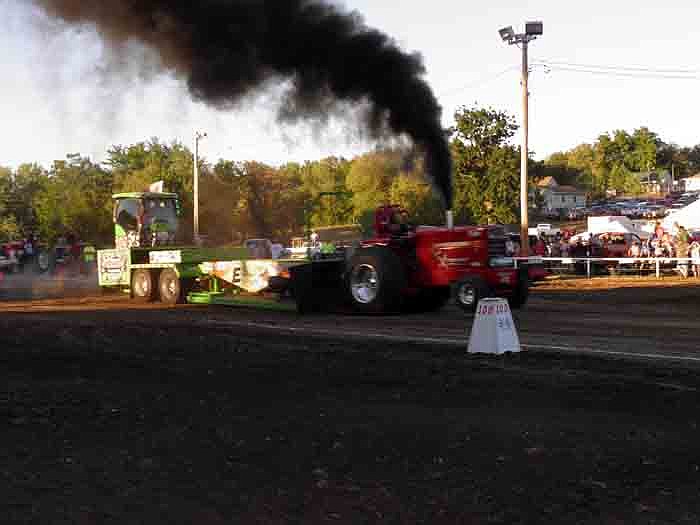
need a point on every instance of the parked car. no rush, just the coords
(616, 244)
(654, 211)
(575, 214)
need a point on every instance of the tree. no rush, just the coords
(327, 175)
(370, 179)
(9, 230)
(29, 180)
(76, 199)
(412, 191)
(271, 205)
(487, 183)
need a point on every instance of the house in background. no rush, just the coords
(659, 182)
(556, 198)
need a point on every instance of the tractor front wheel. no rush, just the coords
(468, 293)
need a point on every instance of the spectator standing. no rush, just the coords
(540, 247)
(674, 229)
(682, 241)
(659, 230)
(564, 247)
(695, 256)
(28, 257)
(667, 246)
(510, 247)
(555, 249)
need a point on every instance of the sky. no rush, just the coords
(600, 66)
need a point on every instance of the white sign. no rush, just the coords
(165, 257)
(493, 331)
(251, 276)
(157, 187)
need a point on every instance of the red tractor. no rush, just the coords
(407, 268)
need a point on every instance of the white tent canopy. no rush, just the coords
(614, 224)
(610, 224)
(688, 217)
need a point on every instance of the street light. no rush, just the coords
(197, 137)
(509, 36)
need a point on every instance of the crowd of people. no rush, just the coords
(674, 244)
(67, 253)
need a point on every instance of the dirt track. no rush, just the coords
(116, 413)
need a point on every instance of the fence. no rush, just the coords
(591, 266)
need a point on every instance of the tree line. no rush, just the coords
(241, 200)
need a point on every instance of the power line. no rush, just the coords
(481, 82)
(622, 74)
(622, 71)
(642, 69)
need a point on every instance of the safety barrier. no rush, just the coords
(658, 265)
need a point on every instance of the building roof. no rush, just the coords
(144, 195)
(568, 189)
(548, 182)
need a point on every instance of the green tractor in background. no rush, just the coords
(145, 219)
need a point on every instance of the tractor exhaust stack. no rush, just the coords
(450, 220)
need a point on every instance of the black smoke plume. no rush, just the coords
(227, 49)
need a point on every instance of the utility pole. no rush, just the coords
(672, 183)
(197, 137)
(532, 31)
(524, 150)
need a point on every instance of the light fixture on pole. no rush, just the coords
(509, 36)
(197, 137)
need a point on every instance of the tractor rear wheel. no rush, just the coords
(142, 288)
(169, 287)
(468, 293)
(303, 289)
(375, 281)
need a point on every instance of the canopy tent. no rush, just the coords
(610, 224)
(614, 224)
(688, 217)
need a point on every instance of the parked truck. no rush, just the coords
(401, 268)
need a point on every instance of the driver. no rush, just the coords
(398, 225)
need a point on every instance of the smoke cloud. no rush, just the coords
(227, 49)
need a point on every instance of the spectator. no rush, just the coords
(674, 229)
(666, 246)
(635, 250)
(555, 249)
(510, 247)
(564, 248)
(695, 256)
(659, 230)
(682, 241)
(28, 251)
(540, 247)
(658, 248)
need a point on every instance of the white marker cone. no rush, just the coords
(493, 331)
